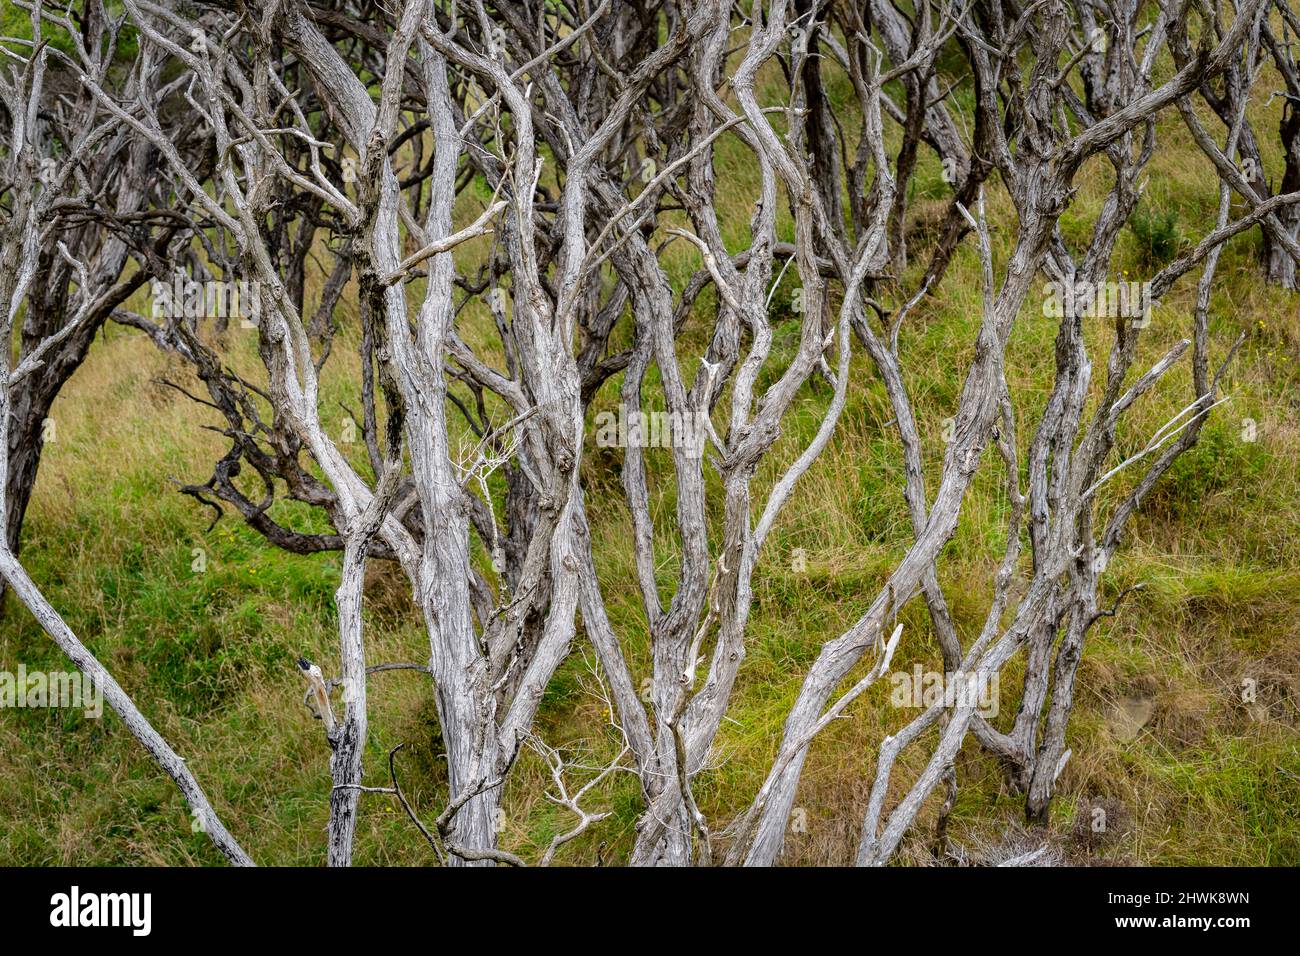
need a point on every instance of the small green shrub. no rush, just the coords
(1157, 235)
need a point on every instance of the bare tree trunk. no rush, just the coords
(1281, 266)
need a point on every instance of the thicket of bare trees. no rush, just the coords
(309, 152)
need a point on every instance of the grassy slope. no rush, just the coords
(209, 656)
